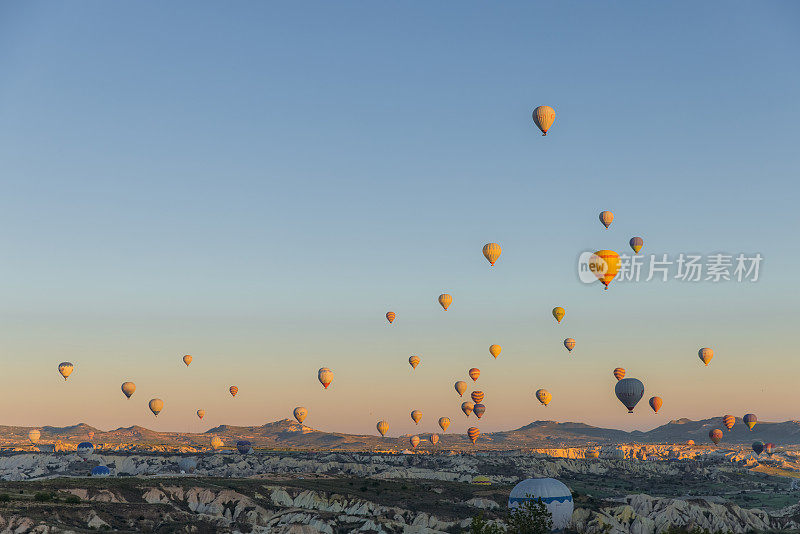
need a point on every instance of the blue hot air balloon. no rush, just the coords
(244, 447)
(758, 447)
(187, 465)
(554, 494)
(629, 392)
(85, 449)
(101, 471)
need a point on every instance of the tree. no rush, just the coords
(530, 517)
(480, 526)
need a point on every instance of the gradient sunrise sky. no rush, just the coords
(257, 183)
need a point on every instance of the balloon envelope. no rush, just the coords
(461, 387)
(467, 408)
(444, 422)
(479, 410)
(85, 449)
(100, 471)
(216, 443)
(201, 413)
(477, 396)
(655, 403)
(619, 373)
(554, 494)
(606, 217)
(758, 447)
(416, 416)
(65, 368)
(413, 361)
(705, 354)
(544, 396)
(34, 436)
(728, 421)
(434, 439)
(390, 316)
(491, 251)
(750, 420)
(128, 388)
(636, 244)
(715, 435)
(473, 433)
(474, 373)
(569, 343)
(629, 391)
(383, 427)
(244, 446)
(187, 359)
(769, 448)
(300, 414)
(445, 300)
(543, 117)
(233, 390)
(494, 350)
(559, 313)
(156, 405)
(605, 265)
(414, 441)
(325, 377)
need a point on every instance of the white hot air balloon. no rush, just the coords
(554, 494)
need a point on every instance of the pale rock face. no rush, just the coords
(486, 504)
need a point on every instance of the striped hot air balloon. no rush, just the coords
(65, 369)
(636, 244)
(383, 428)
(477, 396)
(715, 436)
(234, 390)
(559, 313)
(492, 251)
(325, 377)
(629, 391)
(479, 410)
(444, 422)
(445, 300)
(605, 265)
(544, 396)
(416, 416)
(619, 373)
(434, 439)
(413, 360)
(750, 420)
(187, 359)
(201, 413)
(414, 441)
(543, 117)
(606, 217)
(655, 403)
(473, 433)
(390, 316)
(474, 373)
(728, 421)
(494, 350)
(569, 343)
(467, 407)
(461, 387)
(300, 414)
(128, 388)
(705, 354)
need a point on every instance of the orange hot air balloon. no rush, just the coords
(416, 416)
(461, 387)
(559, 313)
(605, 265)
(569, 343)
(156, 405)
(543, 117)
(474, 373)
(606, 217)
(491, 252)
(201, 413)
(325, 377)
(728, 421)
(705, 354)
(414, 441)
(234, 390)
(494, 350)
(473, 434)
(383, 427)
(655, 403)
(690, 443)
(445, 300)
(413, 360)
(444, 422)
(715, 435)
(543, 396)
(300, 414)
(187, 359)
(477, 396)
(434, 439)
(390, 316)
(619, 373)
(467, 407)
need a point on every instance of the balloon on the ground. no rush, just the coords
(434, 439)
(187, 465)
(758, 447)
(445, 300)
(705, 354)
(619, 373)
(156, 405)
(233, 390)
(728, 421)
(544, 396)
(461, 387)
(606, 217)
(769, 448)
(543, 117)
(559, 313)
(187, 359)
(201, 413)
(690, 443)
(636, 244)
(479, 410)
(605, 265)
(655, 403)
(750, 420)
(569, 343)
(216, 443)
(244, 446)
(444, 422)
(325, 377)
(416, 416)
(34, 435)
(413, 361)
(629, 391)
(85, 449)
(477, 396)
(390, 316)
(300, 414)
(128, 388)
(414, 441)
(383, 427)
(715, 436)
(555, 495)
(491, 252)
(494, 350)
(100, 471)
(474, 373)
(473, 433)
(467, 408)
(65, 368)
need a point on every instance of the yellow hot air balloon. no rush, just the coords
(34, 436)
(300, 414)
(434, 439)
(128, 388)
(494, 350)
(467, 408)
(383, 428)
(416, 416)
(414, 441)
(461, 387)
(473, 433)
(728, 421)
(187, 359)
(559, 313)
(606, 217)
(445, 300)
(543, 117)
(492, 251)
(474, 373)
(444, 422)
(233, 390)
(619, 373)
(201, 413)
(65, 368)
(390, 316)
(544, 396)
(705, 354)
(216, 443)
(325, 377)
(413, 360)
(156, 405)
(605, 265)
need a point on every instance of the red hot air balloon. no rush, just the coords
(474, 373)
(769, 448)
(715, 436)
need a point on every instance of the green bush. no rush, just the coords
(43, 496)
(531, 517)
(5, 497)
(72, 499)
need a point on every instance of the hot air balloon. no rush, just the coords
(494, 350)
(473, 433)
(91, 435)
(383, 427)
(65, 368)
(629, 392)
(690, 443)
(128, 388)
(244, 446)
(544, 396)
(606, 217)
(445, 300)
(636, 244)
(605, 265)
(750, 420)
(414, 440)
(434, 439)
(300, 414)
(758, 447)
(477, 396)
(543, 117)
(416, 416)
(467, 408)
(554, 494)
(101, 471)
(187, 359)
(705, 354)
(474, 373)
(461, 387)
(413, 360)
(85, 450)
(216, 443)
(187, 465)
(156, 405)
(770, 449)
(491, 252)
(479, 410)
(655, 403)
(390, 316)
(569, 343)
(728, 421)
(201, 413)
(325, 377)
(234, 390)
(619, 373)
(34, 436)
(715, 435)
(444, 422)
(559, 313)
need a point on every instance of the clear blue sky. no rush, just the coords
(258, 183)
